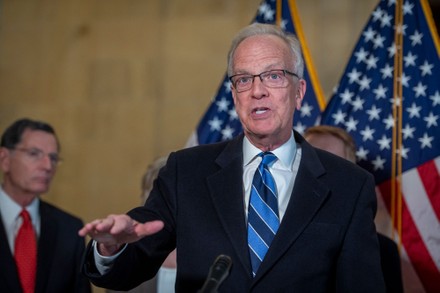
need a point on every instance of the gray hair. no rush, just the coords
(257, 29)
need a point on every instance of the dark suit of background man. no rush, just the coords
(29, 155)
(326, 241)
(339, 142)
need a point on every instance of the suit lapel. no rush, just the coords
(46, 247)
(8, 274)
(228, 198)
(307, 197)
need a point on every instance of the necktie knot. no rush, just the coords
(267, 158)
(24, 214)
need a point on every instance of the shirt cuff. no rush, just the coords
(104, 263)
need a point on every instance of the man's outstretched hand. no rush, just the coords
(116, 230)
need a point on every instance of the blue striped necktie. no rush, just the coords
(263, 219)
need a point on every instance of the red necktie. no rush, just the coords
(26, 253)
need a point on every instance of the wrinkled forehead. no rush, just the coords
(39, 139)
(263, 50)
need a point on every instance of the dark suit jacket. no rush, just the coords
(326, 242)
(390, 262)
(60, 251)
(149, 286)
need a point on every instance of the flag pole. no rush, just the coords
(279, 8)
(431, 24)
(396, 176)
(306, 53)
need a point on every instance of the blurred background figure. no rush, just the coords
(339, 142)
(166, 277)
(40, 249)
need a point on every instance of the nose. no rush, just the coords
(258, 90)
(47, 163)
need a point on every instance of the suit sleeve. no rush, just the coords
(82, 284)
(358, 267)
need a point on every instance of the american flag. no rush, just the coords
(221, 122)
(389, 100)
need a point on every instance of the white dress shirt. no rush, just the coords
(10, 213)
(284, 170)
(166, 278)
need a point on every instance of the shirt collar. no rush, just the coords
(10, 210)
(285, 153)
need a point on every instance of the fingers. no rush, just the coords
(119, 228)
(86, 229)
(148, 228)
(116, 224)
(99, 226)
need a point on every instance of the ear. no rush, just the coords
(233, 94)
(300, 92)
(4, 159)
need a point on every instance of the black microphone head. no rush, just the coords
(218, 272)
(220, 268)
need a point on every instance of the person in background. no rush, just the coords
(339, 142)
(166, 277)
(40, 249)
(290, 217)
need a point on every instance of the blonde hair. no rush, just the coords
(341, 134)
(258, 29)
(150, 175)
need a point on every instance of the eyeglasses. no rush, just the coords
(273, 78)
(36, 155)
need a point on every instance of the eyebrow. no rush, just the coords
(267, 68)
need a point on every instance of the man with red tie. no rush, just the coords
(39, 246)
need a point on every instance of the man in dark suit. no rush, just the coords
(204, 199)
(29, 155)
(338, 141)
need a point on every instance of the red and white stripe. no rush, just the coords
(420, 226)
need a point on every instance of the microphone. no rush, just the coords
(217, 274)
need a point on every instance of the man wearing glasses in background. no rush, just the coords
(40, 250)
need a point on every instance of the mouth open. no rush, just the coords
(260, 111)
